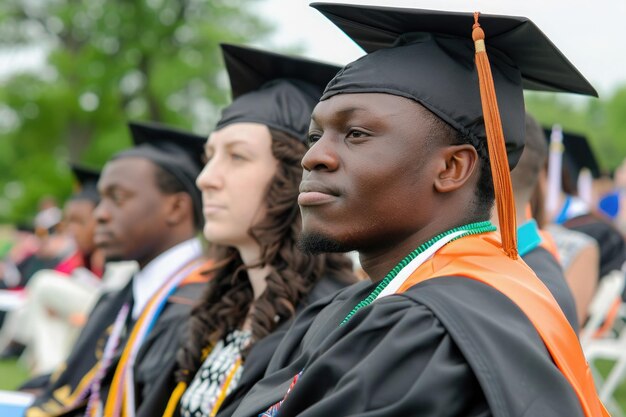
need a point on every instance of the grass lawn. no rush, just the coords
(620, 394)
(12, 374)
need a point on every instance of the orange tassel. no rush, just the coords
(495, 143)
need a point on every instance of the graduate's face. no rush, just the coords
(367, 178)
(131, 219)
(234, 182)
(81, 224)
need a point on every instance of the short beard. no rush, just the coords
(315, 243)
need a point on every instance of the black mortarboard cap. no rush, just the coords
(276, 90)
(428, 56)
(175, 151)
(87, 183)
(466, 68)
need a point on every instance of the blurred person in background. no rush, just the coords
(55, 248)
(23, 244)
(58, 300)
(149, 211)
(613, 203)
(51, 248)
(575, 211)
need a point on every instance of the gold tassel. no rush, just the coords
(175, 399)
(499, 161)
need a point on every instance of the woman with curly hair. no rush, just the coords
(252, 222)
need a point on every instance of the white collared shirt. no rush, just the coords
(153, 276)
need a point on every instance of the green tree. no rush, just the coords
(109, 62)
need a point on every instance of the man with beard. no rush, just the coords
(150, 212)
(408, 151)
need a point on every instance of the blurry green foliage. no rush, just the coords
(603, 121)
(110, 61)
(115, 60)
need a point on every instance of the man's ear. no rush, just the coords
(458, 164)
(179, 208)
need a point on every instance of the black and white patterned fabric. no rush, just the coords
(203, 392)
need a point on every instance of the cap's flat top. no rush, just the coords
(542, 65)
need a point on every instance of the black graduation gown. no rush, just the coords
(610, 240)
(547, 268)
(160, 344)
(253, 369)
(261, 353)
(451, 346)
(87, 350)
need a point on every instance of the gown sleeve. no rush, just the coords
(392, 359)
(262, 352)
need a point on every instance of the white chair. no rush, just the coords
(612, 348)
(11, 300)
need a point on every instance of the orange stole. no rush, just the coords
(480, 257)
(198, 275)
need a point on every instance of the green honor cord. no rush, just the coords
(469, 229)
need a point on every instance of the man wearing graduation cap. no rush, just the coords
(150, 212)
(403, 142)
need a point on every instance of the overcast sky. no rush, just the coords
(591, 33)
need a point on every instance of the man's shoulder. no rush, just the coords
(182, 300)
(497, 339)
(192, 287)
(465, 305)
(476, 314)
(325, 287)
(457, 293)
(334, 291)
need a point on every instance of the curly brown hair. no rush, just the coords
(229, 298)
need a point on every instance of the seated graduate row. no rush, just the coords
(400, 156)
